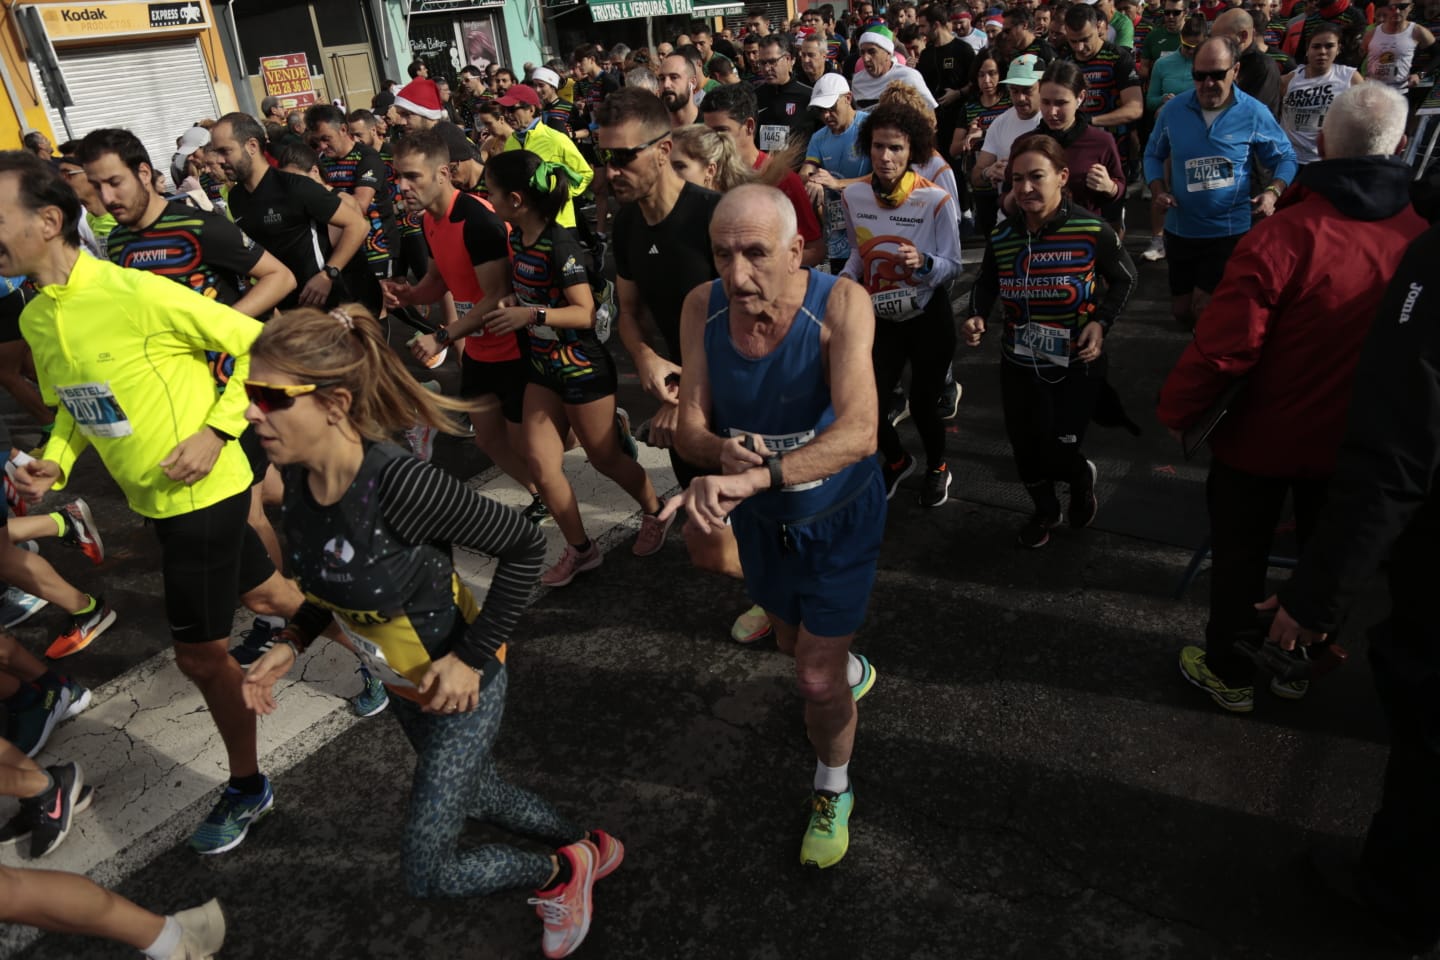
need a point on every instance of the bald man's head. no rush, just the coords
(757, 247)
(758, 204)
(1235, 23)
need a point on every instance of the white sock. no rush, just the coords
(853, 670)
(832, 779)
(277, 623)
(164, 946)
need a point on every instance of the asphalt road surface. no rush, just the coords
(1033, 778)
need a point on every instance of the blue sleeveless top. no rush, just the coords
(782, 396)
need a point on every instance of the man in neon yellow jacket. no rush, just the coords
(122, 354)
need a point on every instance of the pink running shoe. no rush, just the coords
(571, 562)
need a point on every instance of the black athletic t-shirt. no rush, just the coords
(288, 215)
(673, 256)
(364, 167)
(202, 250)
(782, 115)
(944, 68)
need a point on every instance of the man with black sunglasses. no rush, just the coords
(1164, 38)
(1398, 52)
(662, 252)
(783, 102)
(1214, 138)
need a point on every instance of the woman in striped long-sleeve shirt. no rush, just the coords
(370, 530)
(1061, 278)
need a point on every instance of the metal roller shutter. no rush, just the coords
(154, 90)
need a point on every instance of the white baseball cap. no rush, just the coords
(830, 88)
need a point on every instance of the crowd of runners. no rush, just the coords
(771, 224)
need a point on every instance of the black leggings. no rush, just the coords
(1046, 414)
(928, 343)
(456, 779)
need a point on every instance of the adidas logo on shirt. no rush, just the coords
(653, 248)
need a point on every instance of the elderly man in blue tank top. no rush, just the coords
(781, 401)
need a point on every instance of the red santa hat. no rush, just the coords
(422, 98)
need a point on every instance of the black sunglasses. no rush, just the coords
(1216, 75)
(270, 397)
(1174, 13)
(624, 156)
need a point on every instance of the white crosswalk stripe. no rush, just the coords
(155, 759)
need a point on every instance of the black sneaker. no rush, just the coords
(598, 248)
(1036, 532)
(255, 642)
(21, 825)
(537, 513)
(1083, 505)
(29, 729)
(893, 475)
(935, 489)
(950, 400)
(51, 812)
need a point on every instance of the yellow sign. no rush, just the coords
(84, 21)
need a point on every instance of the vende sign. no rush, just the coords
(638, 9)
(288, 77)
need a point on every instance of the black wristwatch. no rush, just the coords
(442, 336)
(332, 272)
(776, 480)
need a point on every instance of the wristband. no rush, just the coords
(291, 638)
(1273, 189)
(224, 437)
(776, 479)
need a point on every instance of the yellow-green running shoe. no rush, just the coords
(1194, 669)
(867, 678)
(752, 626)
(828, 835)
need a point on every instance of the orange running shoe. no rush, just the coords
(566, 908)
(83, 629)
(610, 853)
(80, 531)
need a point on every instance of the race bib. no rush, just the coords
(374, 658)
(1043, 341)
(1209, 173)
(1386, 70)
(901, 303)
(1308, 121)
(837, 243)
(96, 411)
(463, 307)
(774, 136)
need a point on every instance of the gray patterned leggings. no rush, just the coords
(456, 778)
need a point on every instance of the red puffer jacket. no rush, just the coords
(1294, 306)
